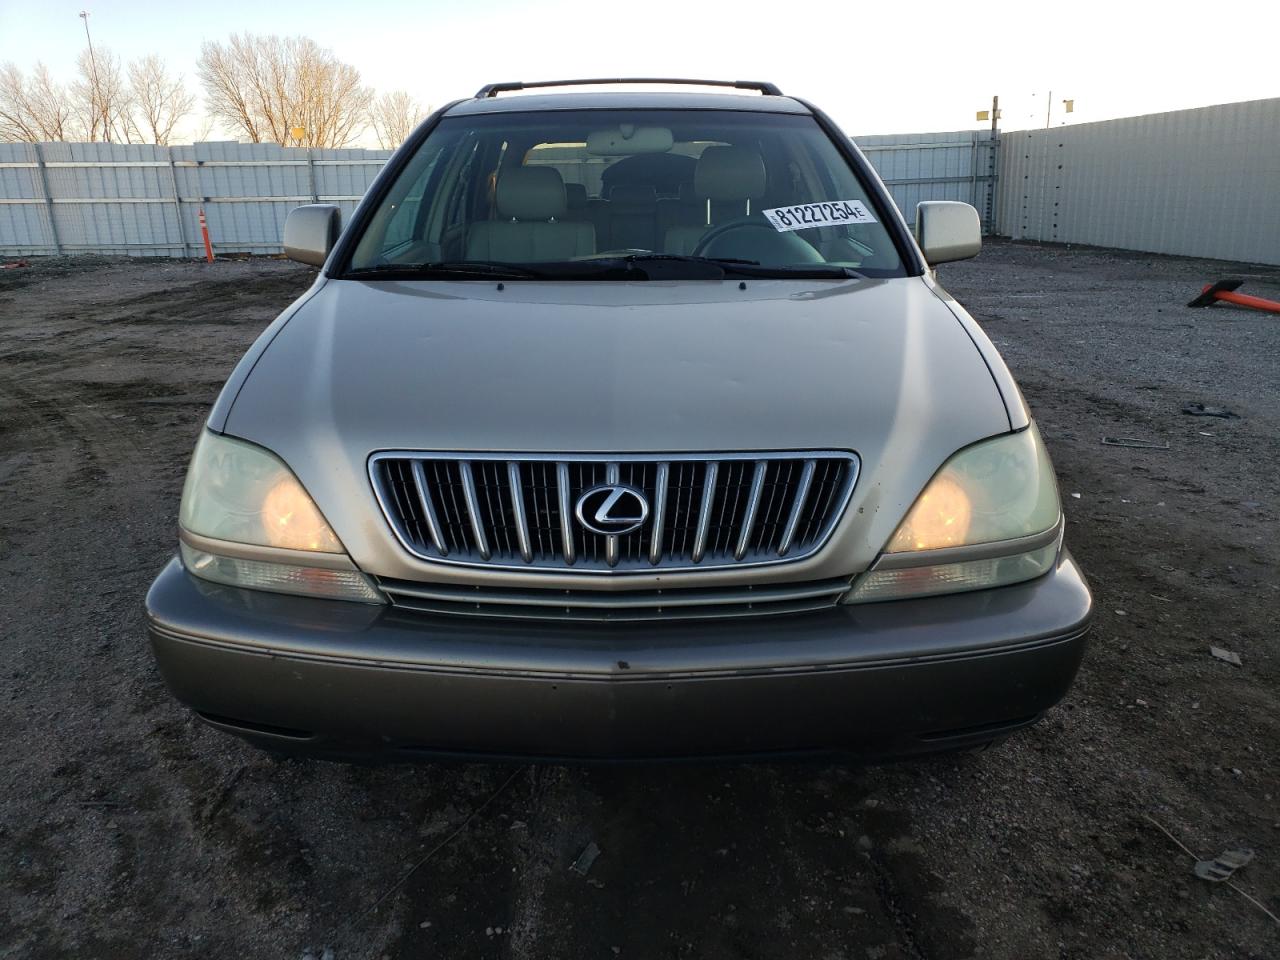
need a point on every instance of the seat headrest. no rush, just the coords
(634, 194)
(729, 173)
(531, 193)
(575, 195)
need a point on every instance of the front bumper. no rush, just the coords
(884, 679)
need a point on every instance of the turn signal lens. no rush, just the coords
(967, 575)
(280, 577)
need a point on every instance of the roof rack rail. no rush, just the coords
(493, 89)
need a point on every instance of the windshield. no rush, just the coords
(626, 194)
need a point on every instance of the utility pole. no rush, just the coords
(1048, 108)
(97, 88)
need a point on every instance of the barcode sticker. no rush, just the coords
(805, 216)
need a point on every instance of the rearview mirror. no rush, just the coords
(310, 232)
(947, 230)
(628, 139)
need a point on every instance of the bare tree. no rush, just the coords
(395, 114)
(105, 101)
(159, 100)
(203, 131)
(265, 87)
(35, 109)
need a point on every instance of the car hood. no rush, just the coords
(880, 367)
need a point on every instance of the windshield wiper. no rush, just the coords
(736, 268)
(807, 271)
(445, 270)
(626, 266)
(683, 258)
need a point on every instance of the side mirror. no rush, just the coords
(310, 232)
(947, 230)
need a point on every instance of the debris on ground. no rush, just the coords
(1226, 656)
(1204, 410)
(1225, 291)
(1223, 865)
(582, 866)
(1135, 442)
(15, 265)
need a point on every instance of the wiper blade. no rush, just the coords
(804, 271)
(446, 269)
(747, 268)
(625, 266)
(685, 258)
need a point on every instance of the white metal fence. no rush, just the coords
(1200, 183)
(144, 200)
(937, 166)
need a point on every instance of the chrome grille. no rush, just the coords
(517, 510)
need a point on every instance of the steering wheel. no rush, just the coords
(748, 238)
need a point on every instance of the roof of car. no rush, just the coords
(627, 100)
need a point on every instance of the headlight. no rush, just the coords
(239, 492)
(990, 517)
(247, 522)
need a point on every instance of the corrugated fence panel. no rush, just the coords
(145, 200)
(936, 166)
(1202, 183)
(24, 216)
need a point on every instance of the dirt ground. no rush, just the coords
(128, 830)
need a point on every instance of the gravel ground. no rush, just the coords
(129, 830)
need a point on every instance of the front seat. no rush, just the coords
(531, 201)
(726, 179)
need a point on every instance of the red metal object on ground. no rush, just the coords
(204, 232)
(1225, 290)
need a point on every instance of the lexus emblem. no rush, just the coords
(612, 509)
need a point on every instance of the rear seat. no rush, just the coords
(685, 211)
(632, 218)
(575, 195)
(533, 205)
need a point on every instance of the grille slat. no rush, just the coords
(428, 506)
(473, 509)
(704, 512)
(797, 506)
(517, 511)
(659, 513)
(515, 487)
(753, 507)
(567, 548)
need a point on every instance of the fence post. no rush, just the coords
(48, 199)
(973, 170)
(311, 175)
(993, 181)
(177, 203)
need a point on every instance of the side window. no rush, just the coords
(403, 224)
(397, 228)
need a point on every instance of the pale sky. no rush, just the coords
(875, 67)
